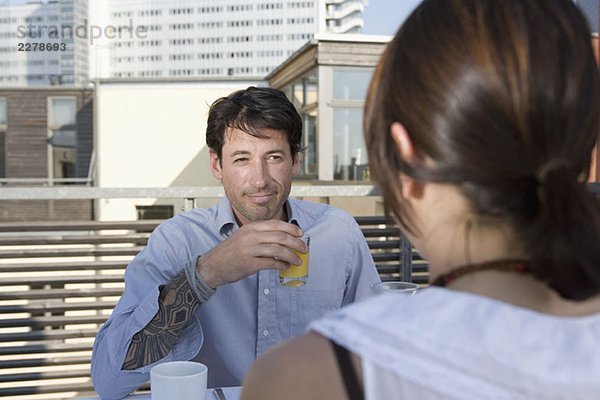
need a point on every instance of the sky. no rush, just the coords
(383, 17)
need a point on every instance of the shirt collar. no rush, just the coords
(227, 224)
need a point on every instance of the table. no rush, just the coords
(232, 393)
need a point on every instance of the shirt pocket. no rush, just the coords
(310, 304)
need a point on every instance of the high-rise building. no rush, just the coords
(198, 38)
(48, 42)
(43, 43)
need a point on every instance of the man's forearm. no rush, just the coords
(176, 305)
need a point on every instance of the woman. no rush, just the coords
(480, 122)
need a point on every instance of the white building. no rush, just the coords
(43, 43)
(151, 133)
(200, 38)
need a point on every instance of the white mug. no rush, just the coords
(178, 380)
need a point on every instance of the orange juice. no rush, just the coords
(296, 275)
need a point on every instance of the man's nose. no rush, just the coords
(260, 174)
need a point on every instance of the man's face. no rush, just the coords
(256, 173)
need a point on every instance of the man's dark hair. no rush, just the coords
(251, 110)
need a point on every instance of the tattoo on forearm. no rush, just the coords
(176, 305)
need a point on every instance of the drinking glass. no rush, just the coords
(395, 287)
(296, 275)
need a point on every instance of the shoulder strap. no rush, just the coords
(351, 382)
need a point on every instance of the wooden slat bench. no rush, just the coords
(59, 281)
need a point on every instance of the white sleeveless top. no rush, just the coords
(444, 344)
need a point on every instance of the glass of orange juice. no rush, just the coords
(296, 275)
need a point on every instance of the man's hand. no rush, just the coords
(254, 247)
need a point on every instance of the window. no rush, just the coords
(2, 113)
(349, 155)
(3, 118)
(300, 36)
(269, 6)
(181, 72)
(208, 56)
(349, 93)
(178, 11)
(303, 94)
(309, 142)
(210, 24)
(181, 42)
(240, 54)
(244, 7)
(239, 39)
(300, 4)
(212, 9)
(181, 26)
(154, 212)
(303, 20)
(275, 21)
(209, 71)
(180, 57)
(351, 84)
(62, 136)
(239, 23)
(210, 40)
(145, 13)
(150, 73)
(269, 38)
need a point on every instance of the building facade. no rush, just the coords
(46, 139)
(198, 38)
(44, 43)
(64, 42)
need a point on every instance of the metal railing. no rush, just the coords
(188, 194)
(95, 193)
(45, 181)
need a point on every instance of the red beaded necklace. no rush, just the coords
(520, 266)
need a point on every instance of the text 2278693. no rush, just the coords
(41, 46)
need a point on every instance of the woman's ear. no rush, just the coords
(404, 145)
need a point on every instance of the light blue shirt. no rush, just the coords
(242, 319)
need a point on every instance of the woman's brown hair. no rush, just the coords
(504, 97)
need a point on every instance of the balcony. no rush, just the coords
(59, 280)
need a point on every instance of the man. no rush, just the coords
(206, 287)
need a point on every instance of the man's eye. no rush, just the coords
(275, 157)
(240, 160)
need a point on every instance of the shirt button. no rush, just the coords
(266, 291)
(265, 333)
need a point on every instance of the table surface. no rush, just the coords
(231, 393)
